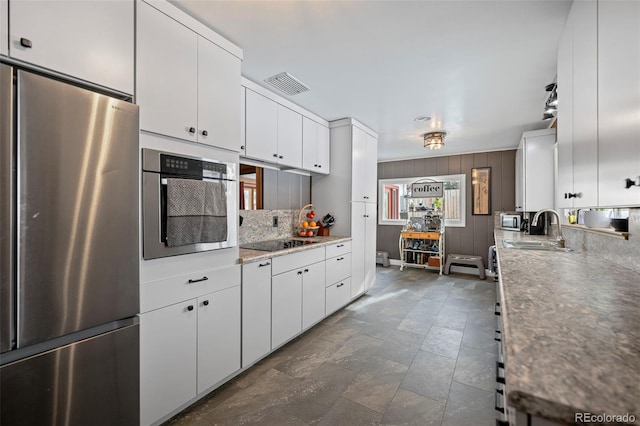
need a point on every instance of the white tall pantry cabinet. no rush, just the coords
(350, 194)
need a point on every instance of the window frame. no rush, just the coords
(460, 177)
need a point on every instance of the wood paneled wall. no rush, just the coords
(476, 237)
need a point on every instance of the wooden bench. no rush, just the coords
(465, 259)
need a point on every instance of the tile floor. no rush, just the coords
(417, 349)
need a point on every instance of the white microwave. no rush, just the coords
(510, 221)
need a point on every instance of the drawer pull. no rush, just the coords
(205, 303)
(340, 285)
(497, 310)
(499, 407)
(340, 258)
(299, 272)
(340, 245)
(498, 336)
(190, 308)
(499, 378)
(306, 270)
(264, 264)
(198, 280)
(25, 42)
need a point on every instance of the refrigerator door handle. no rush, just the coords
(7, 197)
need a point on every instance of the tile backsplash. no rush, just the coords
(258, 225)
(615, 250)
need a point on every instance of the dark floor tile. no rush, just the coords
(469, 406)
(455, 320)
(347, 413)
(304, 362)
(442, 341)
(272, 389)
(357, 353)
(338, 334)
(476, 368)
(430, 375)
(376, 387)
(400, 346)
(409, 408)
(318, 393)
(480, 337)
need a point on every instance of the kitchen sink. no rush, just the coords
(534, 245)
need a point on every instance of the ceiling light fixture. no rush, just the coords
(434, 140)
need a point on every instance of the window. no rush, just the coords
(396, 203)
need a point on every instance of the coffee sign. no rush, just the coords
(427, 189)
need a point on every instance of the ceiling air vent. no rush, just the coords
(287, 83)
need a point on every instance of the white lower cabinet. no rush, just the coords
(286, 306)
(168, 359)
(187, 348)
(338, 295)
(256, 311)
(218, 336)
(313, 294)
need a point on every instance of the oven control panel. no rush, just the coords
(181, 166)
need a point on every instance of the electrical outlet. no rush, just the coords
(275, 221)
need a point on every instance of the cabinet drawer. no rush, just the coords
(337, 249)
(296, 260)
(337, 295)
(422, 235)
(338, 268)
(157, 294)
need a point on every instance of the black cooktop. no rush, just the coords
(275, 245)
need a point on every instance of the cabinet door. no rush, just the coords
(218, 102)
(286, 306)
(309, 145)
(256, 311)
(618, 101)
(167, 359)
(585, 103)
(313, 294)
(564, 183)
(324, 150)
(358, 247)
(538, 172)
(520, 195)
(371, 169)
(359, 171)
(289, 137)
(261, 127)
(218, 336)
(90, 40)
(243, 121)
(166, 88)
(370, 246)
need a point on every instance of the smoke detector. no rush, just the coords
(287, 83)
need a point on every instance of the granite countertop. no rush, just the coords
(571, 332)
(248, 255)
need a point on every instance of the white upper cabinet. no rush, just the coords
(289, 137)
(273, 132)
(315, 146)
(365, 166)
(194, 95)
(618, 101)
(218, 103)
(534, 171)
(577, 184)
(564, 183)
(89, 40)
(166, 90)
(261, 127)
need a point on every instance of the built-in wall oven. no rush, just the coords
(188, 204)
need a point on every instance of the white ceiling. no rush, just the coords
(478, 68)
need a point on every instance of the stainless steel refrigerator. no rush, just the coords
(69, 294)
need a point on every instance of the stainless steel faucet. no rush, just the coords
(534, 221)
